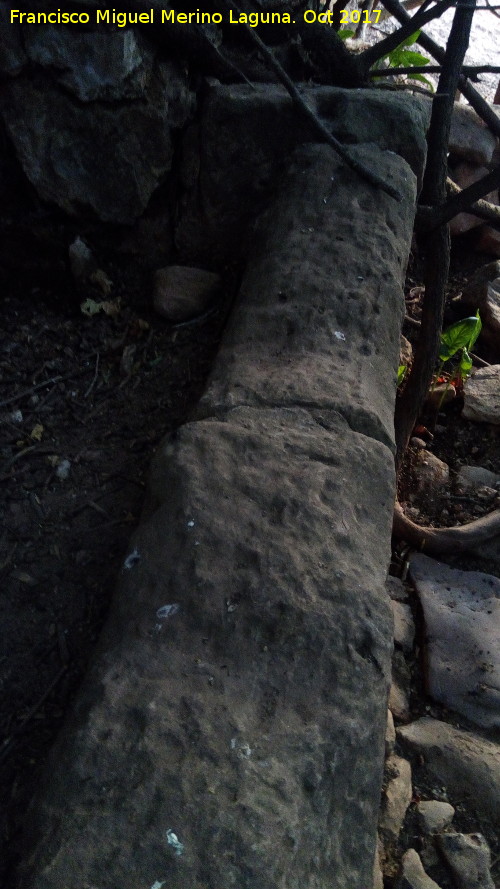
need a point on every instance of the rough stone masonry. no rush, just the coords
(230, 732)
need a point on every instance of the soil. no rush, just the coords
(84, 400)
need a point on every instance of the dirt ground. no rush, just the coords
(84, 400)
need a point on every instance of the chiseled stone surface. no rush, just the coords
(467, 764)
(462, 637)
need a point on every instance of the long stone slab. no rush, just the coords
(239, 696)
(231, 729)
(318, 317)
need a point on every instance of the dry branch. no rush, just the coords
(440, 541)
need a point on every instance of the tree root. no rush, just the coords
(446, 541)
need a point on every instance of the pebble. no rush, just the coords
(434, 815)
(413, 875)
(468, 765)
(396, 798)
(404, 627)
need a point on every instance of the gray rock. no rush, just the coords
(182, 292)
(252, 717)
(390, 735)
(482, 395)
(396, 797)
(431, 473)
(413, 875)
(104, 157)
(467, 764)
(289, 315)
(224, 187)
(404, 626)
(470, 138)
(462, 621)
(231, 730)
(434, 815)
(12, 55)
(483, 292)
(399, 693)
(101, 65)
(469, 859)
(476, 477)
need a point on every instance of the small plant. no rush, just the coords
(456, 340)
(401, 57)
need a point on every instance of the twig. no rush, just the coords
(94, 378)
(300, 102)
(49, 382)
(438, 243)
(467, 70)
(464, 199)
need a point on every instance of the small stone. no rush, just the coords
(390, 735)
(468, 765)
(397, 796)
(434, 815)
(468, 857)
(413, 875)
(462, 622)
(430, 472)
(476, 476)
(183, 292)
(482, 395)
(399, 694)
(404, 627)
(470, 138)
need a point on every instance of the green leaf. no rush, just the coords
(411, 58)
(465, 366)
(422, 80)
(345, 33)
(401, 373)
(461, 335)
(409, 40)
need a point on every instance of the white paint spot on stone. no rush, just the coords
(157, 884)
(167, 611)
(174, 842)
(339, 335)
(190, 524)
(131, 560)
